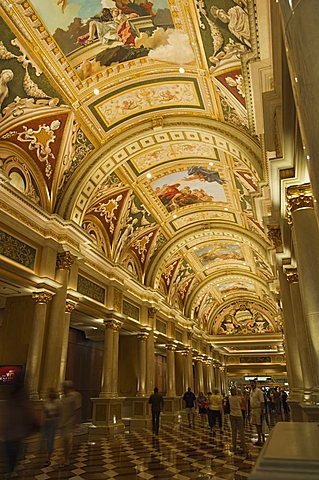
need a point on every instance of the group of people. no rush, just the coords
(19, 421)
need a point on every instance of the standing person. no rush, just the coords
(257, 407)
(17, 423)
(243, 405)
(202, 406)
(215, 409)
(67, 420)
(190, 401)
(52, 412)
(157, 403)
(236, 420)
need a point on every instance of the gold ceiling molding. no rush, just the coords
(298, 196)
(291, 275)
(109, 157)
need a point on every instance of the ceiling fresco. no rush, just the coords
(134, 121)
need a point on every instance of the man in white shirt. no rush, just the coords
(257, 407)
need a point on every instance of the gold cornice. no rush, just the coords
(291, 275)
(298, 196)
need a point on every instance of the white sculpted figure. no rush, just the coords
(5, 77)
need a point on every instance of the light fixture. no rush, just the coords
(174, 216)
(211, 164)
(181, 70)
(226, 209)
(149, 175)
(96, 91)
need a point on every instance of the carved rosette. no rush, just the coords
(298, 196)
(274, 235)
(69, 306)
(64, 261)
(42, 297)
(113, 324)
(291, 275)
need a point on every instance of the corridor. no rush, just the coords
(178, 453)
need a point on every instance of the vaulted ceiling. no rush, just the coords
(140, 123)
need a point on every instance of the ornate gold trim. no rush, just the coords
(298, 196)
(64, 261)
(274, 235)
(42, 297)
(113, 324)
(69, 306)
(170, 347)
(291, 275)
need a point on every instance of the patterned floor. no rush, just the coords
(177, 453)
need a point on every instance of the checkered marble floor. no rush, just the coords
(177, 453)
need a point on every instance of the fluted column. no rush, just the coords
(301, 331)
(35, 351)
(141, 378)
(69, 307)
(300, 33)
(171, 389)
(110, 358)
(55, 331)
(150, 352)
(306, 241)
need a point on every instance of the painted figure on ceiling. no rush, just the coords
(204, 174)
(236, 19)
(5, 77)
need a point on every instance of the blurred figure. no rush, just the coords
(215, 408)
(17, 423)
(257, 405)
(202, 406)
(236, 420)
(190, 401)
(68, 419)
(156, 401)
(52, 413)
(285, 406)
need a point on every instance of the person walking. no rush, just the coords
(257, 408)
(202, 406)
(236, 420)
(52, 413)
(68, 420)
(190, 402)
(157, 403)
(215, 409)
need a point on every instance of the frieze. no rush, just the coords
(17, 250)
(131, 310)
(91, 289)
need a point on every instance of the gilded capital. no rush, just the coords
(170, 347)
(274, 235)
(64, 261)
(291, 275)
(69, 306)
(42, 297)
(298, 196)
(143, 336)
(113, 324)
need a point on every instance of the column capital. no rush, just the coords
(64, 261)
(298, 196)
(69, 306)
(143, 335)
(291, 275)
(42, 297)
(112, 324)
(170, 347)
(274, 235)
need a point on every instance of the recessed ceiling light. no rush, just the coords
(181, 70)
(211, 164)
(226, 209)
(149, 175)
(96, 91)
(174, 216)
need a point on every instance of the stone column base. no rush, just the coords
(172, 410)
(296, 411)
(310, 412)
(137, 413)
(107, 416)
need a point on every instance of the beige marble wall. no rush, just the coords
(128, 365)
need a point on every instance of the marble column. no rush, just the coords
(69, 307)
(150, 352)
(141, 377)
(306, 241)
(189, 368)
(55, 330)
(180, 373)
(294, 371)
(109, 383)
(300, 33)
(35, 350)
(301, 332)
(170, 352)
(199, 375)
